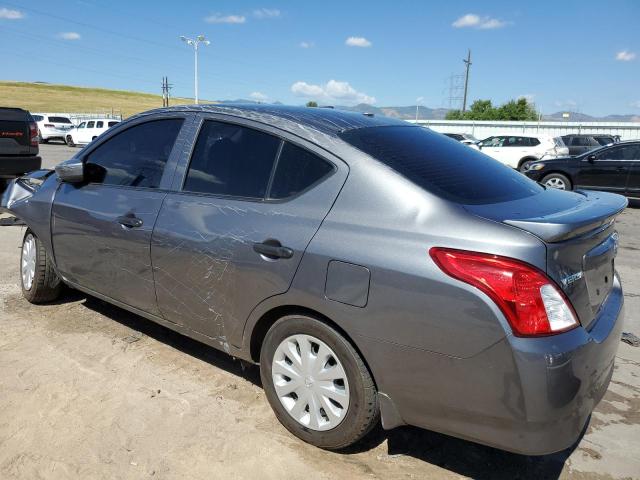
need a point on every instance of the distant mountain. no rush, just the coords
(583, 117)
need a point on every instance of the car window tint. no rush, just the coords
(630, 152)
(610, 154)
(231, 160)
(448, 169)
(99, 124)
(297, 169)
(111, 124)
(90, 124)
(493, 142)
(82, 125)
(60, 120)
(534, 142)
(135, 157)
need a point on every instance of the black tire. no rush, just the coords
(524, 164)
(46, 285)
(557, 178)
(363, 412)
(69, 141)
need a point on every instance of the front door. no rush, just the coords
(633, 179)
(606, 169)
(102, 229)
(236, 232)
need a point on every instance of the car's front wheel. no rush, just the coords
(40, 282)
(70, 141)
(557, 180)
(317, 384)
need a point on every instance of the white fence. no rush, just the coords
(77, 118)
(484, 129)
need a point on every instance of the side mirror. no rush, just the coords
(591, 158)
(71, 171)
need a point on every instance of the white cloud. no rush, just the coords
(357, 42)
(7, 14)
(566, 103)
(69, 36)
(306, 44)
(333, 92)
(625, 56)
(476, 21)
(259, 96)
(266, 13)
(217, 18)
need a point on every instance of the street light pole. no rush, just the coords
(195, 43)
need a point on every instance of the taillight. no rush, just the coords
(33, 133)
(531, 301)
(49, 125)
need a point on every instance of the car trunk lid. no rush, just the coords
(579, 233)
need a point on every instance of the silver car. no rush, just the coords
(375, 270)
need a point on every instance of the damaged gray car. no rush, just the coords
(375, 270)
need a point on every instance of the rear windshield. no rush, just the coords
(442, 166)
(59, 120)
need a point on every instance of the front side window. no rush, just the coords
(449, 170)
(610, 154)
(493, 142)
(231, 160)
(135, 157)
(297, 170)
(82, 125)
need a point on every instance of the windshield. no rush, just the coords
(442, 166)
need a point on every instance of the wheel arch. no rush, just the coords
(264, 323)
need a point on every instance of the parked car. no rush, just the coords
(579, 144)
(613, 168)
(372, 268)
(18, 144)
(52, 127)
(89, 130)
(518, 151)
(465, 138)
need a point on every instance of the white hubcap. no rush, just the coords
(310, 382)
(556, 183)
(28, 263)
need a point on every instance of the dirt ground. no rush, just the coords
(91, 391)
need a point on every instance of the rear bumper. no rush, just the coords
(531, 396)
(14, 166)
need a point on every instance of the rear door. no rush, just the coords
(633, 179)
(101, 230)
(607, 169)
(248, 203)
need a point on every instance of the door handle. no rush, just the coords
(272, 249)
(130, 221)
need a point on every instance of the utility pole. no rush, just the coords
(467, 63)
(200, 39)
(165, 91)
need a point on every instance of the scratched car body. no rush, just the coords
(374, 269)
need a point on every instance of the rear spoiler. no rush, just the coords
(561, 216)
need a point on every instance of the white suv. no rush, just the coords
(89, 130)
(52, 127)
(519, 151)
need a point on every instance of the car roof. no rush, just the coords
(326, 120)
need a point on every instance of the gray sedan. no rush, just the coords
(375, 270)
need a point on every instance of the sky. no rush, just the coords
(563, 55)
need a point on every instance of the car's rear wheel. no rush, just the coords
(69, 141)
(40, 282)
(317, 384)
(557, 180)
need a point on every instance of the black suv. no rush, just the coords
(614, 168)
(18, 144)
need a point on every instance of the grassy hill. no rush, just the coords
(44, 97)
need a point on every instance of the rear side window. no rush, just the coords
(111, 124)
(231, 160)
(90, 124)
(534, 142)
(450, 170)
(99, 124)
(60, 120)
(136, 157)
(297, 170)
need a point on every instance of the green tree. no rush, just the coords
(519, 109)
(311, 103)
